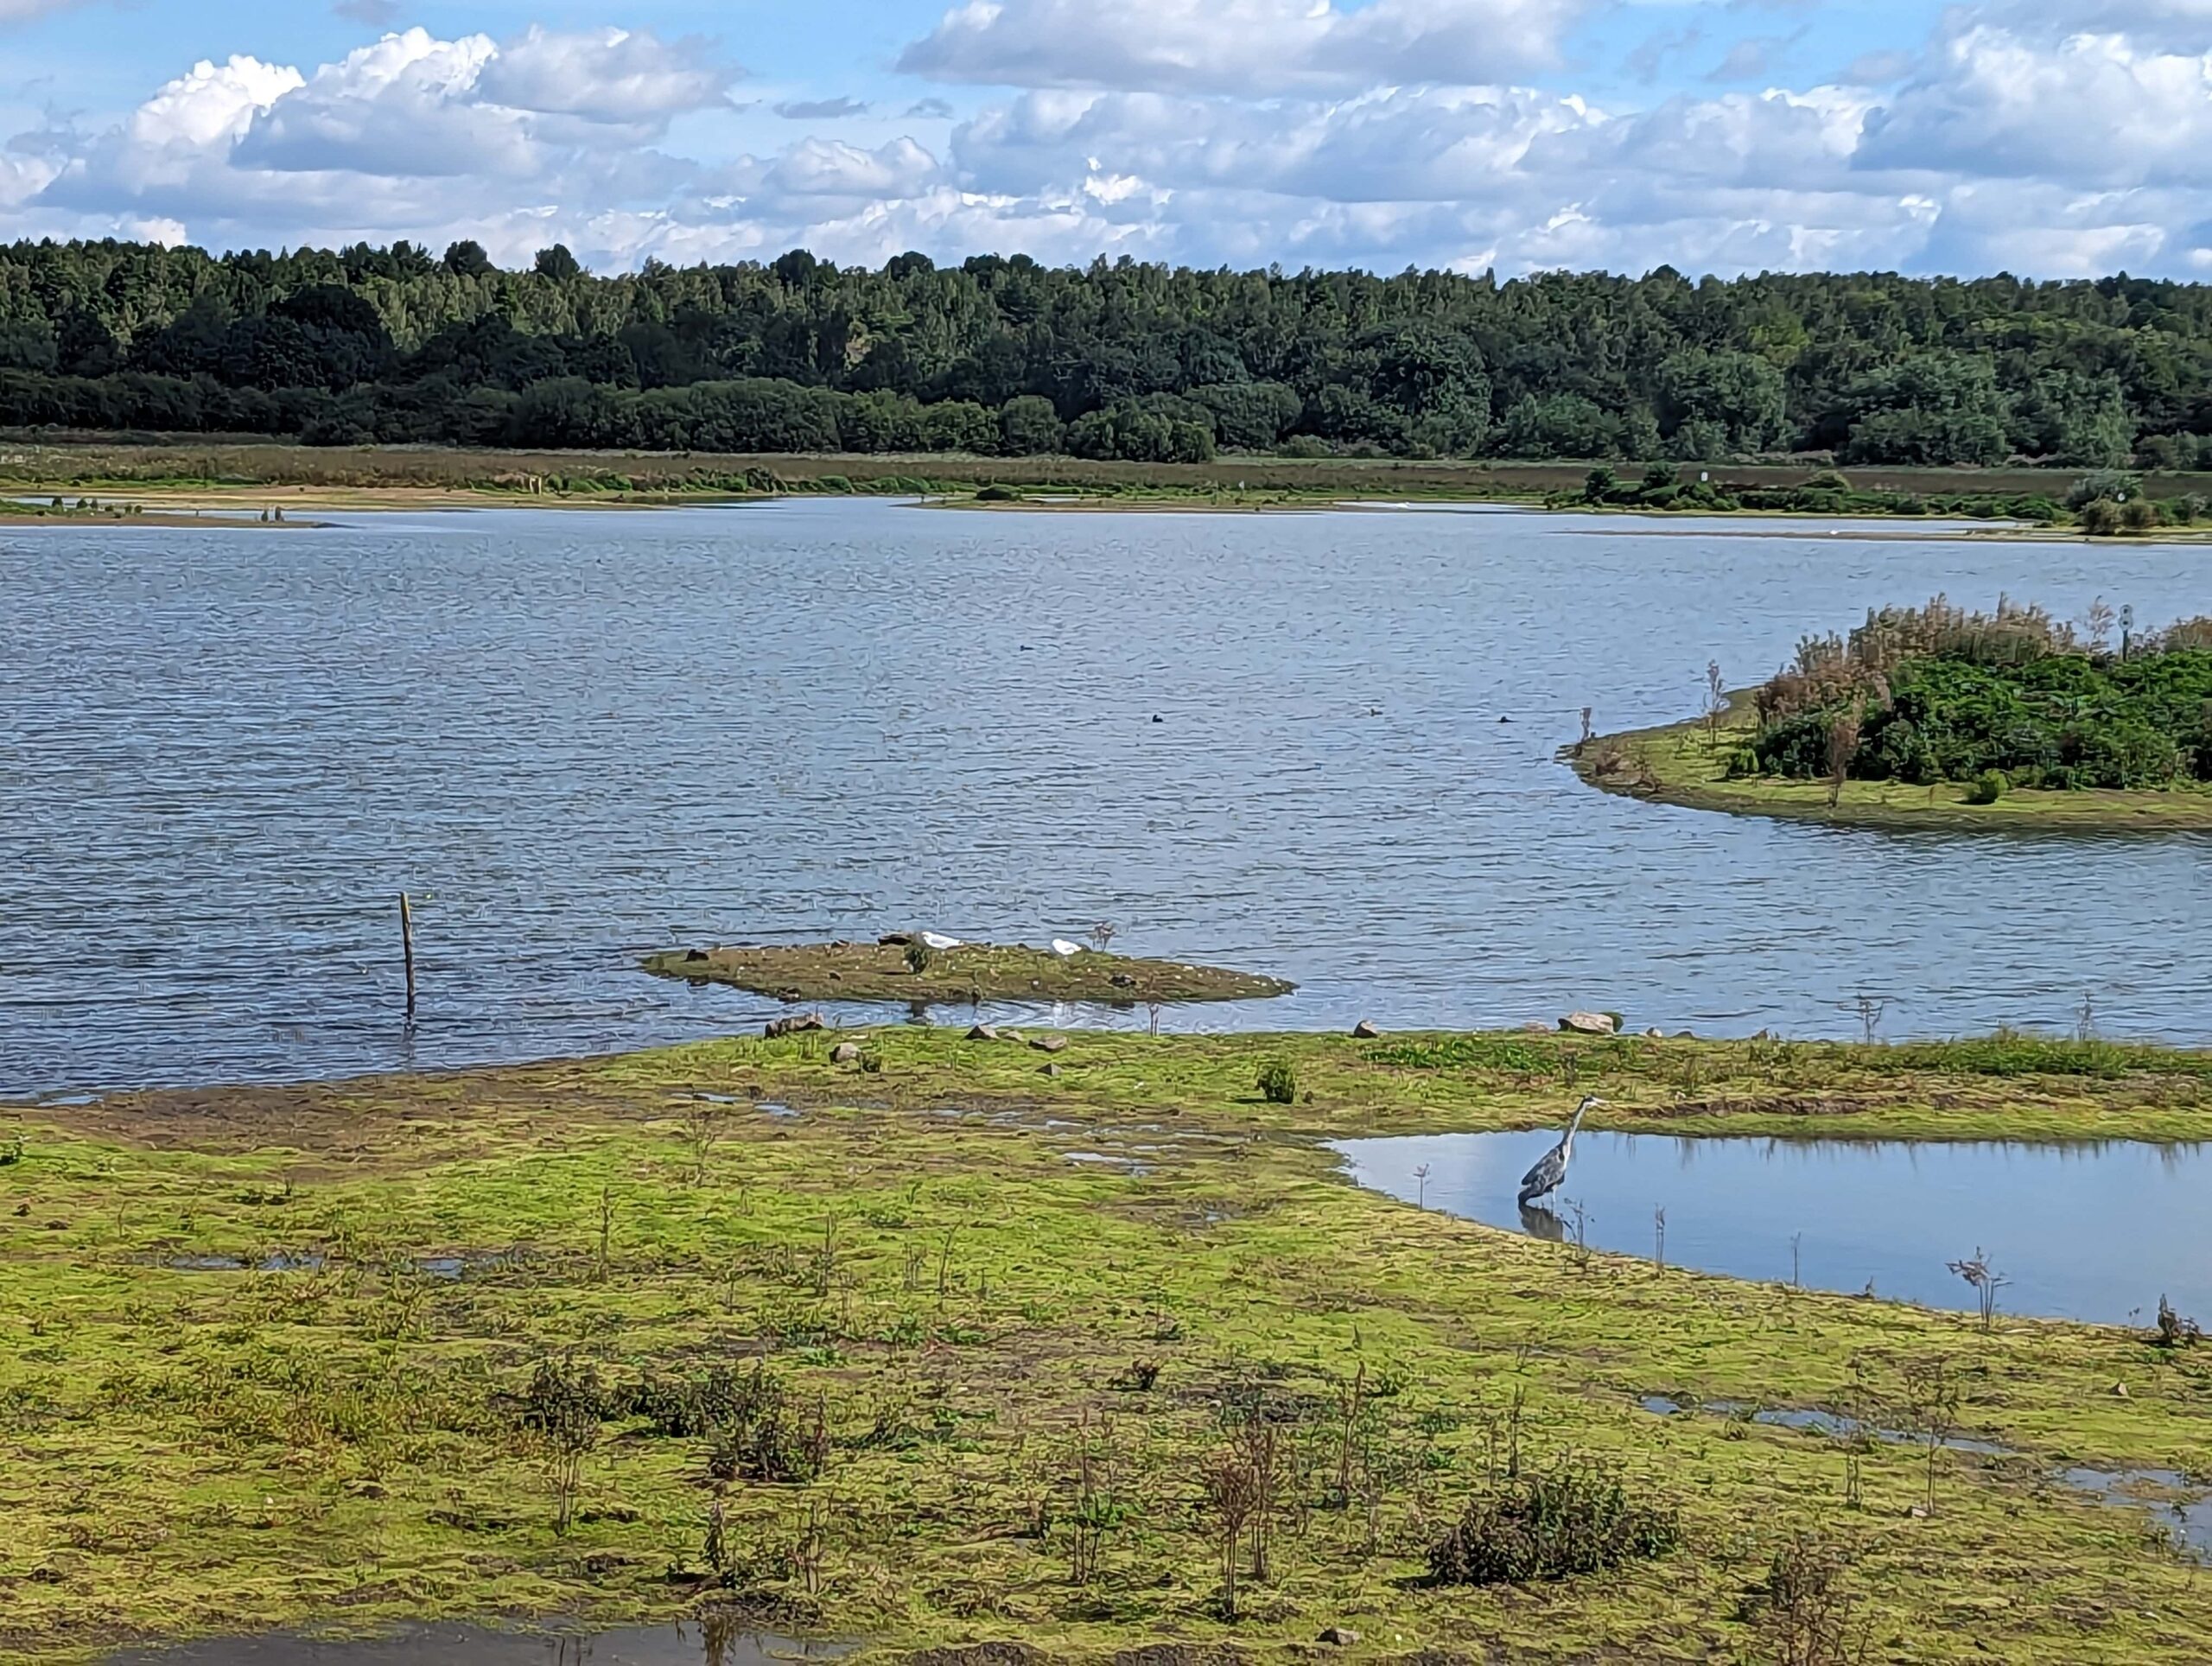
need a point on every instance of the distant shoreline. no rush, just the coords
(180, 480)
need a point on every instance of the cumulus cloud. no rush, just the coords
(608, 75)
(2090, 110)
(1252, 46)
(1245, 131)
(247, 143)
(821, 110)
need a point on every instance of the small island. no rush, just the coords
(1938, 717)
(902, 967)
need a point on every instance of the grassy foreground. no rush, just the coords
(1686, 764)
(974, 971)
(1018, 1316)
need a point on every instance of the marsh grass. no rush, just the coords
(213, 1451)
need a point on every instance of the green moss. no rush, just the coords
(974, 971)
(917, 1254)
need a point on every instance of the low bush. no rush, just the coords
(1278, 1082)
(1578, 1518)
(718, 1398)
(1989, 786)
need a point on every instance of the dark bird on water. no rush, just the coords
(1551, 1168)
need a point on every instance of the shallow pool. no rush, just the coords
(2092, 1231)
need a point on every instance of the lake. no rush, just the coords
(2095, 1232)
(578, 735)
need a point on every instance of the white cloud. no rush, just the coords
(607, 75)
(1248, 132)
(2090, 109)
(210, 104)
(1251, 46)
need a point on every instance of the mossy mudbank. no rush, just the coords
(890, 971)
(1007, 1326)
(1688, 763)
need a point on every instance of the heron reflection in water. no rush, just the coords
(1539, 1222)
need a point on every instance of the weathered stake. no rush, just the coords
(407, 948)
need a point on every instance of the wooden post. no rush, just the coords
(407, 948)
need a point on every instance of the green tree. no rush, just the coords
(557, 263)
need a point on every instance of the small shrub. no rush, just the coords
(1988, 787)
(562, 1393)
(1278, 1082)
(919, 957)
(2103, 486)
(718, 1398)
(2174, 1331)
(1803, 1613)
(1576, 1519)
(2100, 517)
(996, 493)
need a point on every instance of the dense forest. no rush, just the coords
(1005, 356)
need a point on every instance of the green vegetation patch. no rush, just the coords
(602, 1339)
(910, 970)
(1937, 715)
(1936, 694)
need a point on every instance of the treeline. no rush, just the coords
(1005, 356)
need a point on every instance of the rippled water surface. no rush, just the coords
(579, 735)
(2096, 1232)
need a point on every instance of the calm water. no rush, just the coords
(579, 735)
(2093, 1232)
(685, 1644)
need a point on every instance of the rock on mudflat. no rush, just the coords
(982, 1033)
(797, 1023)
(1365, 1031)
(1051, 1043)
(1338, 1636)
(845, 1053)
(1588, 1023)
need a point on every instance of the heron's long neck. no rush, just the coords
(1573, 1123)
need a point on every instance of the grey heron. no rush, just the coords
(1551, 1168)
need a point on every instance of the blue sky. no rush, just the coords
(2047, 137)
